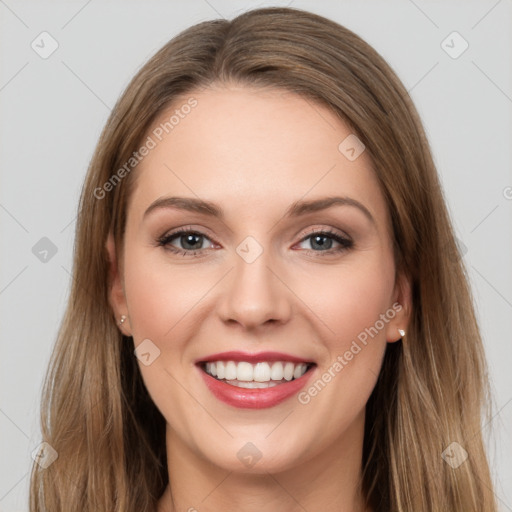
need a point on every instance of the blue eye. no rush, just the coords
(192, 241)
(324, 240)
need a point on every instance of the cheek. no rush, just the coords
(350, 299)
(160, 296)
(163, 303)
(352, 303)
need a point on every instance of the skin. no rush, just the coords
(254, 153)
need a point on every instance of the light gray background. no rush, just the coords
(52, 111)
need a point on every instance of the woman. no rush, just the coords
(268, 310)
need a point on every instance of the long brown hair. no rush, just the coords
(433, 388)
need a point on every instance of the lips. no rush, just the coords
(254, 380)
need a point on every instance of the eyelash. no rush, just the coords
(345, 243)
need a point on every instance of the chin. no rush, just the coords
(259, 456)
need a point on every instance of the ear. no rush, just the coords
(117, 296)
(402, 306)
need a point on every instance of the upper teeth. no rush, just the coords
(259, 372)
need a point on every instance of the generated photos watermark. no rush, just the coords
(305, 397)
(149, 144)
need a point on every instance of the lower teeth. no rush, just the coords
(252, 384)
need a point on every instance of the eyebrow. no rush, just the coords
(297, 209)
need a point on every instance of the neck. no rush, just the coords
(329, 481)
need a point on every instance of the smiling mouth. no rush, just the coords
(255, 376)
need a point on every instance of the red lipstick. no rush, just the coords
(254, 398)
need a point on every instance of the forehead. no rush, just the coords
(252, 150)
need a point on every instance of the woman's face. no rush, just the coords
(264, 285)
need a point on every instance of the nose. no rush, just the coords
(255, 294)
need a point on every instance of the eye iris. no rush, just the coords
(321, 245)
(191, 238)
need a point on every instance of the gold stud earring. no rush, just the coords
(402, 332)
(123, 318)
